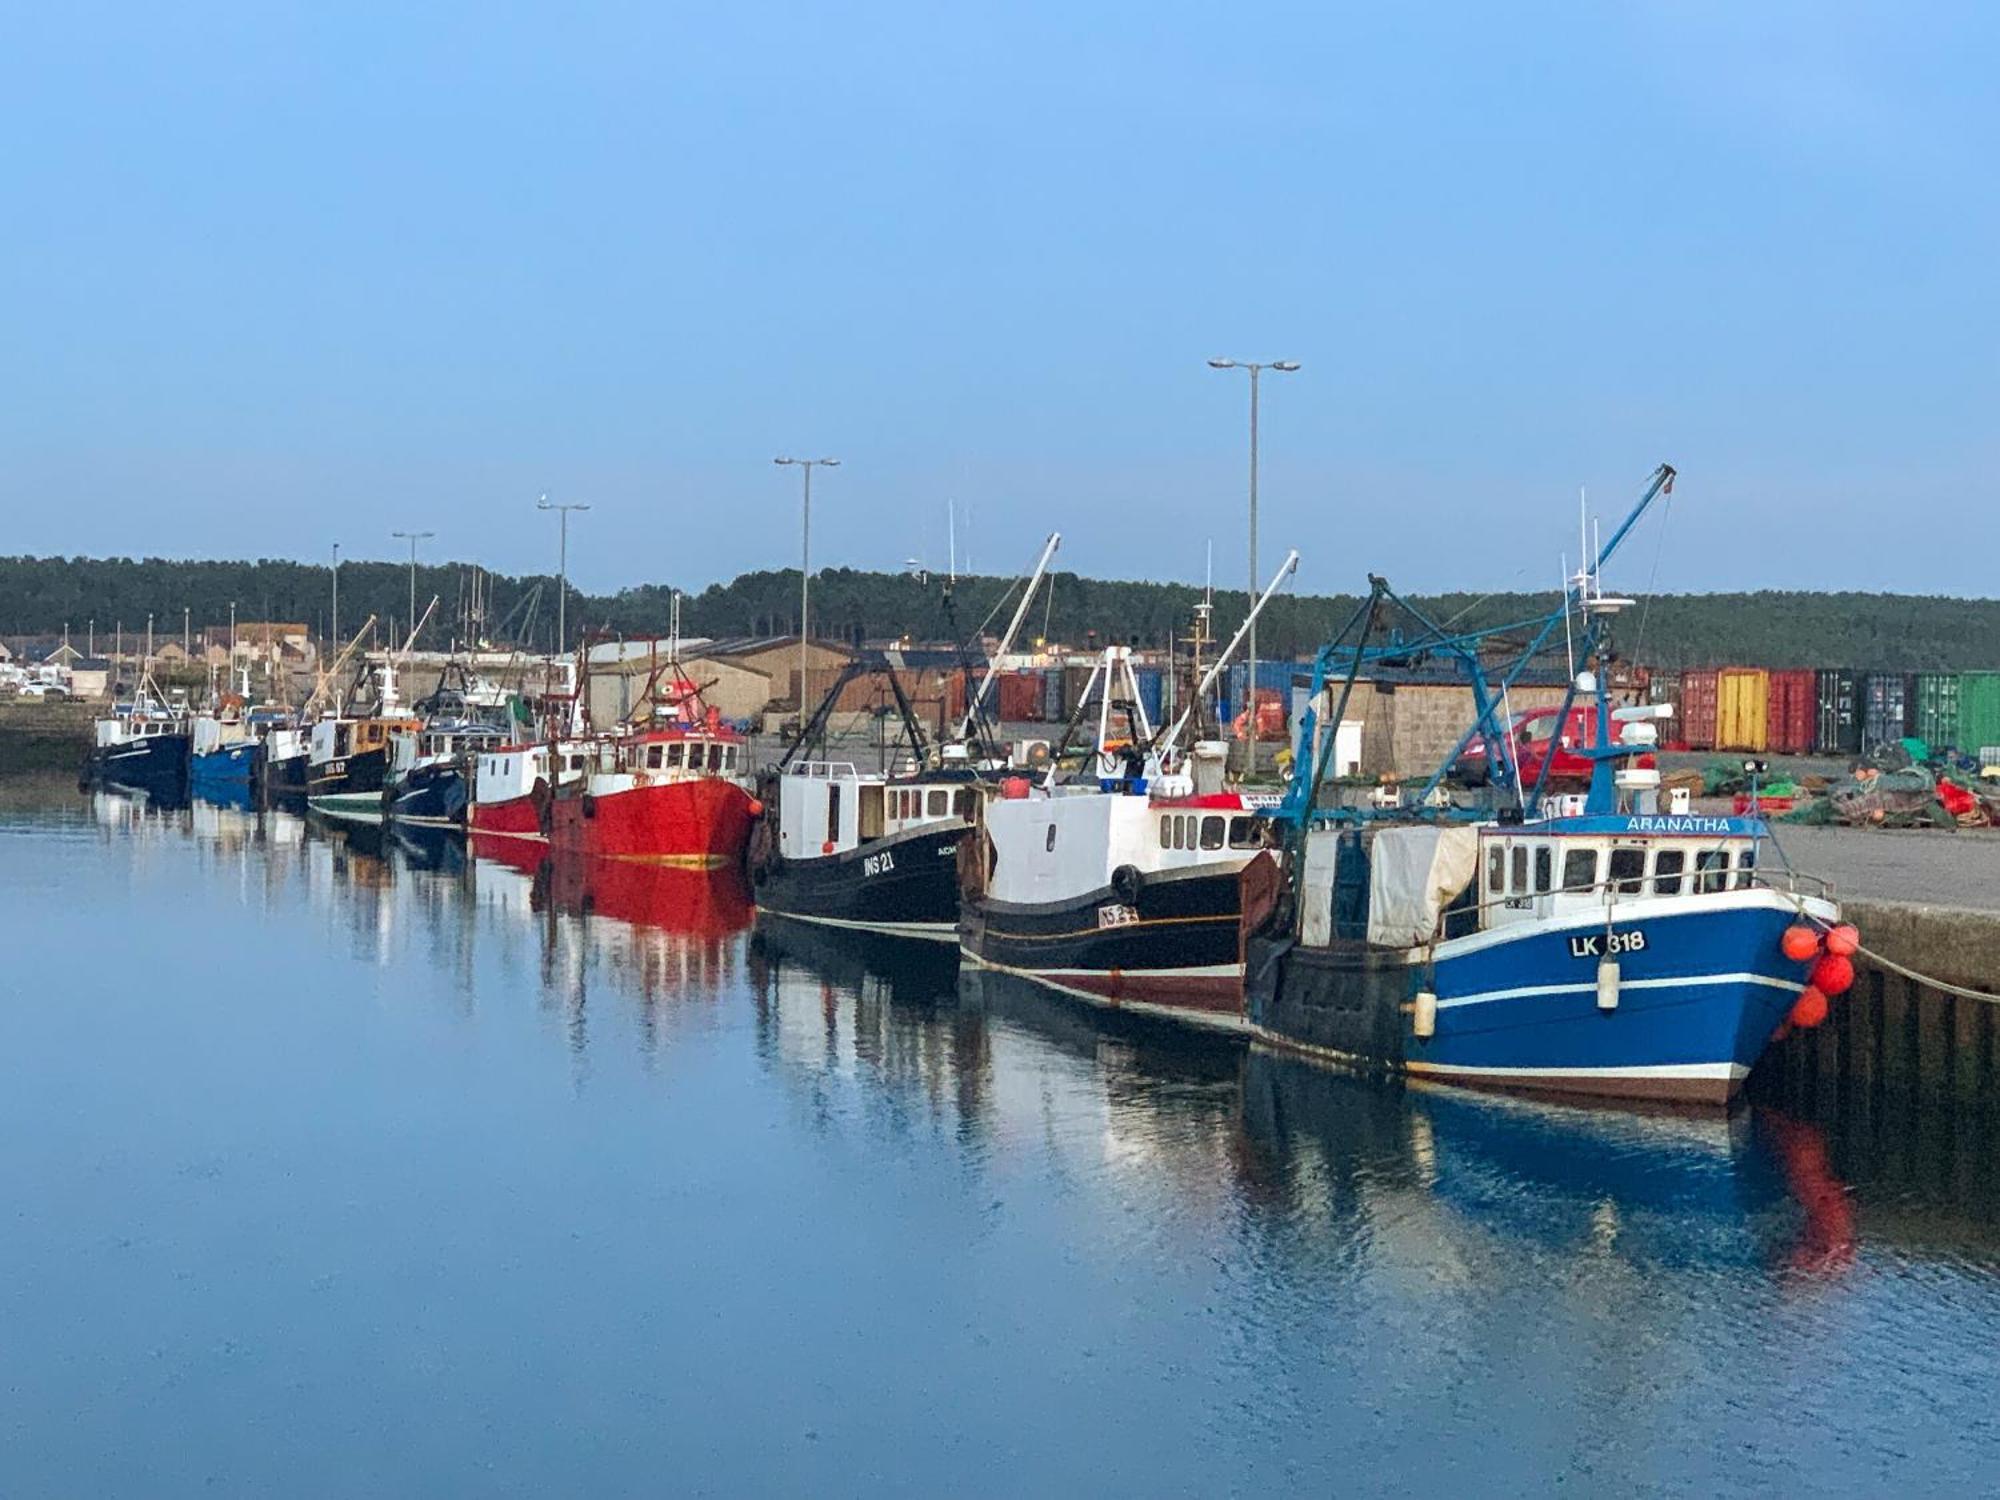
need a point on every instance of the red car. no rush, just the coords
(1538, 735)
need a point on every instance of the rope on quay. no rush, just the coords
(1928, 981)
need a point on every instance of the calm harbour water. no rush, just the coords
(335, 1168)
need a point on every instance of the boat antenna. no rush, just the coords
(1569, 636)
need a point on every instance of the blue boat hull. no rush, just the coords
(437, 795)
(1701, 988)
(234, 767)
(157, 765)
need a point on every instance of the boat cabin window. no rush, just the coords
(1244, 834)
(1166, 832)
(966, 803)
(1746, 869)
(1050, 842)
(656, 756)
(940, 803)
(1628, 871)
(1519, 885)
(1496, 871)
(833, 812)
(1212, 832)
(1667, 866)
(1713, 865)
(1579, 869)
(1544, 869)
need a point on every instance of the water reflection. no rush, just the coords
(1001, 1067)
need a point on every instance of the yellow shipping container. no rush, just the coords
(1742, 706)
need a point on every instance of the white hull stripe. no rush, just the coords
(1715, 1072)
(935, 932)
(1527, 992)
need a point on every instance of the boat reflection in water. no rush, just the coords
(1435, 1181)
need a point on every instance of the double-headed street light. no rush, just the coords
(1256, 369)
(413, 537)
(805, 563)
(562, 569)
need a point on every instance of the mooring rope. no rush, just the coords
(1928, 981)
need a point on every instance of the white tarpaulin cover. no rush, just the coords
(1414, 873)
(1316, 890)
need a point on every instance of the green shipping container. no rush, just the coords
(1978, 711)
(1937, 709)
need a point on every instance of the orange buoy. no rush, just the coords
(1844, 940)
(1833, 975)
(1014, 788)
(1800, 942)
(1809, 1009)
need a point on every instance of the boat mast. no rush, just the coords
(978, 699)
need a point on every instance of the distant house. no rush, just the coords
(64, 655)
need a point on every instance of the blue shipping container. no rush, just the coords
(1152, 696)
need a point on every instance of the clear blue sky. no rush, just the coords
(278, 275)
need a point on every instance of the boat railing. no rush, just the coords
(1791, 883)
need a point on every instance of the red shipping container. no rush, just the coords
(1697, 717)
(1019, 698)
(1792, 711)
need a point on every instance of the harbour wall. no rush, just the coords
(1893, 1041)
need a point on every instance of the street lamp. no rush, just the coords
(1256, 369)
(805, 563)
(413, 537)
(562, 569)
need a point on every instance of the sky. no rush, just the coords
(279, 276)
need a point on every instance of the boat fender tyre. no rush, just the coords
(1125, 881)
(760, 851)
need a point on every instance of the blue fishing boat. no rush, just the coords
(1588, 943)
(223, 753)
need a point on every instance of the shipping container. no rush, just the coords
(1891, 705)
(1937, 709)
(1272, 677)
(1016, 697)
(1697, 716)
(1076, 677)
(1978, 712)
(1152, 695)
(1052, 696)
(1792, 704)
(1742, 708)
(1663, 687)
(1838, 711)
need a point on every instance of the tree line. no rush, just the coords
(44, 595)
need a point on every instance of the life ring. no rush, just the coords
(1125, 883)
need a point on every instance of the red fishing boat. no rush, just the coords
(677, 795)
(672, 786)
(513, 787)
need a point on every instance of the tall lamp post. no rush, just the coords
(413, 537)
(562, 570)
(1256, 369)
(336, 595)
(807, 465)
